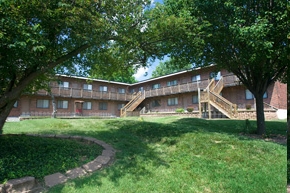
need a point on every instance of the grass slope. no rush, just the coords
(174, 154)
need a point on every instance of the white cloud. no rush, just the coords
(140, 75)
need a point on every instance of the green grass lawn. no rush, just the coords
(174, 154)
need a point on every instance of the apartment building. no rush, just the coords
(204, 90)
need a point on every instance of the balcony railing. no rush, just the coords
(86, 94)
(229, 80)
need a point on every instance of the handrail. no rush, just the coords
(133, 99)
(219, 86)
(271, 106)
(211, 85)
(180, 88)
(232, 108)
(130, 103)
(83, 93)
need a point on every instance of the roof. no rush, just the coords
(169, 75)
(143, 81)
(94, 79)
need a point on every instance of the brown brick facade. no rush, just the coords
(163, 94)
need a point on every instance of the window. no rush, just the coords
(172, 83)
(120, 106)
(155, 86)
(194, 99)
(172, 101)
(132, 90)
(42, 104)
(88, 87)
(141, 89)
(121, 90)
(249, 95)
(103, 106)
(87, 105)
(195, 78)
(156, 103)
(15, 104)
(103, 88)
(62, 104)
(215, 75)
(64, 85)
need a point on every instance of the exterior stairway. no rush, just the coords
(212, 96)
(128, 109)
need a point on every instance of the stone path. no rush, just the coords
(29, 184)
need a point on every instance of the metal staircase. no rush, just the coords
(212, 96)
(128, 109)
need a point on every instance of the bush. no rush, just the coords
(189, 109)
(179, 110)
(248, 106)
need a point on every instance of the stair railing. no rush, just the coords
(219, 86)
(131, 102)
(211, 85)
(204, 96)
(224, 104)
(275, 108)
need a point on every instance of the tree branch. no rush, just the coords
(26, 80)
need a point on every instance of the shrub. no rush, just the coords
(189, 109)
(179, 110)
(248, 106)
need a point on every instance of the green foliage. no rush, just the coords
(248, 106)
(36, 156)
(288, 158)
(247, 38)
(179, 110)
(124, 75)
(189, 109)
(168, 67)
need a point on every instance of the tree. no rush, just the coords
(125, 75)
(245, 37)
(39, 38)
(168, 67)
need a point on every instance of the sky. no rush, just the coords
(146, 73)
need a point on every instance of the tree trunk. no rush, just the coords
(4, 112)
(261, 130)
(54, 111)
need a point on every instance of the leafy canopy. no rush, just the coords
(245, 37)
(168, 67)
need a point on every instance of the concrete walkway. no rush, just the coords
(29, 184)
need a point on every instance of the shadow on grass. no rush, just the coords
(135, 143)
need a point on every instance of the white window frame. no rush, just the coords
(62, 104)
(15, 105)
(215, 75)
(121, 90)
(87, 105)
(88, 87)
(156, 86)
(64, 84)
(103, 89)
(195, 78)
(250, 96)
(172, 83)
(156, 103)
(119, 106)
(195, 99)
(103, 106)
(172, 101)
(42, 103)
